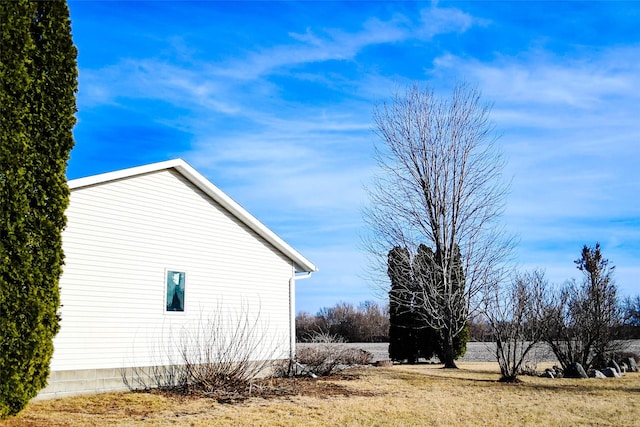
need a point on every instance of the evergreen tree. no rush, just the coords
(459, 284)
(429, 291)
(38, 77)
(425, 270)
(402, 341)
(415, 285)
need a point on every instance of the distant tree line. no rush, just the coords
(368, 322)
(631, 317)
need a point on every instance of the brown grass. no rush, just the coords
(419, 395)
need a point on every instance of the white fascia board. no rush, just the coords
(122, 174)
(300, 262)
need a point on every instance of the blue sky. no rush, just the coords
(273, 102)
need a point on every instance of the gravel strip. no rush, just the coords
(476, 351)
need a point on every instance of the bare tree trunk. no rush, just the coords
(449, 352)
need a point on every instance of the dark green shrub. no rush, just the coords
(411, 333)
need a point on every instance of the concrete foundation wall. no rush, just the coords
(83, 381)
(94, 381)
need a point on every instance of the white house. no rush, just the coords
(154, 249)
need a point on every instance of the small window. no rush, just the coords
(175, 281)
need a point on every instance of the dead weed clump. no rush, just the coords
(273, 388)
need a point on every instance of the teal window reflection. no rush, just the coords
(175, 290)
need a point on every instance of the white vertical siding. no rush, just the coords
(120, 238)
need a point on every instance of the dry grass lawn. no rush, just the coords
(420, 395)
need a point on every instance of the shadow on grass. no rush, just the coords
(481, 376)
(441, 374)
(561, 385)
(589, 385)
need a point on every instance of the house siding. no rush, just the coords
(120, 238)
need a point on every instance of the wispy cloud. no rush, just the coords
(436, 20)
(543, 79)
(199, 80)
(154, 80)
(327, 44)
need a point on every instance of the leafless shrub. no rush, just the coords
(319, 361)
(328, 354)
(217, 352)
(516, 318)
(322, 359)
(357, 356)
(326, 338)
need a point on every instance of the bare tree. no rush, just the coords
(516, 316)
(440, 185)
(584, 318)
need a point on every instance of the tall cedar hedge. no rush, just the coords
(402, 341)
(38, 77)
(410, 337)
